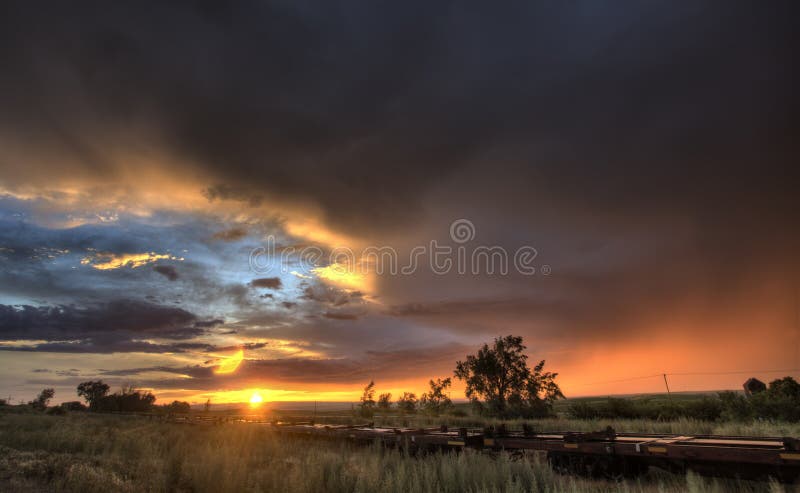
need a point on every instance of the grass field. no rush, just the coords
(86, 453)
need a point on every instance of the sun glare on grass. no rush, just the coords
(256, 399)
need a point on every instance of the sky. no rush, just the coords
(296, 198)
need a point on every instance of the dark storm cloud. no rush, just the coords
(72, 322)
(622, 109)
(341, 315)
(291, 372)
(363, 108)
(233, 234)
(330, 295)
(116, 326)
(168, 271)
(349, 333)
(195, 371)
(224, 192)
(245, 346)
(572, 116)
(209, 323)
(267, 282)
(110, 345)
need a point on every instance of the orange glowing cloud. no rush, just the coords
(230, 364)
(343, 276)
(107, 261)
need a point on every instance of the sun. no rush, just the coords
(256, 399)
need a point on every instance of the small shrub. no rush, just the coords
(73, 406)
(178, 407)
(56, 411)
(781, 401)
(581, 410)
(407, 403)
(41, 401)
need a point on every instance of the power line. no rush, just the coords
(621, 380)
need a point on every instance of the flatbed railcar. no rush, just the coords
(596, 454)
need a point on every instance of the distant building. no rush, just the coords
(754, 386)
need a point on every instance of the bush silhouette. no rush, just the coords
(128, 399)
(41, 401)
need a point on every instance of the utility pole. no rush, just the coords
(667, 385)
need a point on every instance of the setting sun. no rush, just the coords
(256, 399)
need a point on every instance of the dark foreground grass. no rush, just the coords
(95, 453)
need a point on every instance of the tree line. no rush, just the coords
(434, 402)
(98, 399)
(779, 401)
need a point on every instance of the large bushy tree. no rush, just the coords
(92, 391)
(498, 380)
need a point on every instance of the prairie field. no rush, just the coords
(84, 452)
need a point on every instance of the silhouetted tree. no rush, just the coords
(128, 399)
(92, 391)
(407, 403)
(385, 401)
(43, 399)
(436, 401)
(367, 406)
(537, 397)
(499, 376)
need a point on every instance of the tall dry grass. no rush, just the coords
(90, 453)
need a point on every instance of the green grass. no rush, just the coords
(106, 453)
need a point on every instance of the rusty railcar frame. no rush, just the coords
(597, 454)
